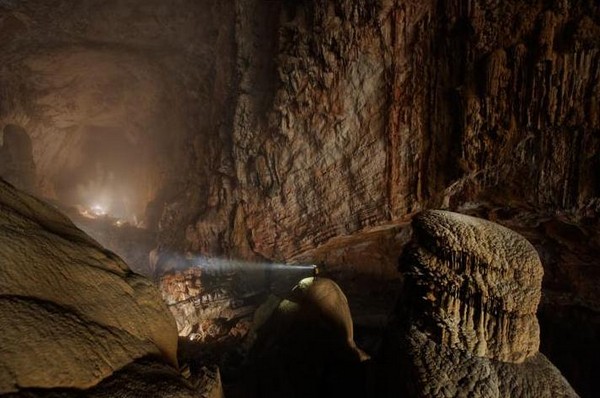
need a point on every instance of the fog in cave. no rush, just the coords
(251, 198)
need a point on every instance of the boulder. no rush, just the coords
(305, 347)
(72, 314)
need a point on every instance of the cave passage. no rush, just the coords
(227, 150)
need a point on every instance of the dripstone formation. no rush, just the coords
(466, 320)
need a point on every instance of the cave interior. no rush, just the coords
(227, 150)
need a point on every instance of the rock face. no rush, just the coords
(72, 314)
(268, 139)
(467, 312)
(203, 314)
(319, 122)
(16, 158)
(355, 113)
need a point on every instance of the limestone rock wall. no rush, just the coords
(268, 139)
(354, 113)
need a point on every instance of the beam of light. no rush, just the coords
(223, 264)
(217, 265)
(257, 278)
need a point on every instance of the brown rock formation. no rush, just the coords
(73, 316)
(482, 285)
(383, 107)
(304, 346)
(467, 312)
(202, 314)
(266, 129)
(323, 119)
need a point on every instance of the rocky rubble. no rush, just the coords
(203, 314)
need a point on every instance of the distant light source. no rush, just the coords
(315, 270)
(98, 210)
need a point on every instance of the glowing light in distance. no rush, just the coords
(98, 210)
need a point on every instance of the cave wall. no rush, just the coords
(265, 129)
(354, 114)
(138, 85)
(268, 128)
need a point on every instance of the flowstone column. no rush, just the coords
(466, 322)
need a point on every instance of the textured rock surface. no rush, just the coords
(203, 314)
(481, 283)
(143, 378)
(438, 371)
(466, 321)
(568, 313)
(71, 312)
(383, 107)
(16, 158)
(322, 119)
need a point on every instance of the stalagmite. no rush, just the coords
(479, 334)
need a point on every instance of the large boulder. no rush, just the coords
(466, 321)
(72, 314)
(304, 346)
